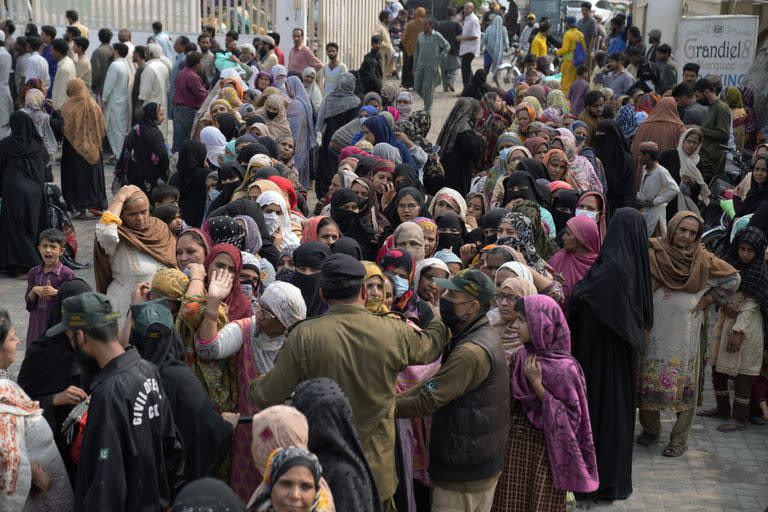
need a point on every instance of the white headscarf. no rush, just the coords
(232, 74)
(688, 167)
(427, 264)
(290, 241)
(455, 196)
(286, 302)
(520, 270)
(279, 69)
(214, 142)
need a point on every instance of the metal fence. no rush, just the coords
(350, 23)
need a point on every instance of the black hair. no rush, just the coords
(275, 36)
(635, 32)
(193, 58)
(105, 35)
(202, 36)
(593, 97)
(32, 29)
(340, 289)
(617, 56)
(184, 40)
(588, 5)
(209, 29)
(103, 333)
(34, 43)
(122, 49)
(162, 192)
(520, 307)
(233, 35)
(82, 42)
(682, 90)
(73, 31)
(633, 51)
(375, 39)
(529, 59)
(10, 26)
(691, 66)
(664, 48)
(581, 70)
(52, 235)
(190, 47)
(60, 46)
(384, 15)
(500, 251)
(653, 154)
(166, 212)
(157, 26)
(762, 157)
(48, 30)
(21, 41)
(332, 45)
(141, 51)
(327, 221)
(71, 15)
(600, 58)
(5, 325)
(299, 29)
(543, 27)
(703, 84)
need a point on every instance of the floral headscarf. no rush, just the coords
(525, 241)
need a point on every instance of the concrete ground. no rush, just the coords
(720, 472)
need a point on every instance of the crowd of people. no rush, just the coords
(470, 323)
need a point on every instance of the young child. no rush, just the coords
(579, 89)
(164, 194)
(658, 189)
(44, 281)
(171, 215)
(738, 343)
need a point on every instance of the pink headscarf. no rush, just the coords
(574, 266)
(603, 208)
(564, 413)
(351, 150)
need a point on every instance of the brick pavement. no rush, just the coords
(719, 473)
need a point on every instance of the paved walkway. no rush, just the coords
(720, 472)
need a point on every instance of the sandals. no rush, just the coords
(712, 413)
(674, 450)
(731, 426)
(645, 439)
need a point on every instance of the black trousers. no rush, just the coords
(466, 68)
(407, 74)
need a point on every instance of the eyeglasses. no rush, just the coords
(505, 297)
(264, 311)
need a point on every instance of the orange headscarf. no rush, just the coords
(83, 122)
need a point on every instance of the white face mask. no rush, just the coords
(587, 213)
(272, 221)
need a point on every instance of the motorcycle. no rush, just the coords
(508, 71)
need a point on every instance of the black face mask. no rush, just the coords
(703, 101)
(345, 219)
(492, 239)
(451, 241)
(448, 314)
(272, 115)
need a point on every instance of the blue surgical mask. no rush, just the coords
(401, 286)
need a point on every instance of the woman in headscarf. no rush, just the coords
(345, 210)
(627, 122)
(130, 247)
(410, 36)
(508, 291)
(263, 80)
(429, 229)
(309, 78)
(308, 260)
(302, 126)
(447, 199)
(404, 104)
(477, 87)
(461, 148)
(82, 173)
(612, 149)
(401, 266)
(276, 427)
(334, 438)
(738, 115)
(49, 369)
(255, 342)
(405, 207)
(215, 143)
(477, 206)
(556, 98)
(611, 308)
(545, 246)
(495, 40)
(33, 476)
(303, 466)
(682, 164)
(409, 238)
(663, 127)
(338, 108)
(406, 176)
(752, 191)
(374, 285)
(495, 121)
(504, 165)
(376, 130)
(370, 214)
(145, 160)
(276, 117)
(537, 147)
(550, 444)
(451, 231)
(23, 161)
(229, 180)
(34, 106)
(685, 278)
(225, 230)
(278, 219)
(594, 205)
(581, 247)
(564, 202)
(579, 168)
(387, 152)
(190, 179)
(229, 124)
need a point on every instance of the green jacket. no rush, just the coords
(363, 353)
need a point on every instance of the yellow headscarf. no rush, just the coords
(375, 306)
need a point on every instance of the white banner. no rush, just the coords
(721, 45)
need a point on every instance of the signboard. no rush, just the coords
(721, 45)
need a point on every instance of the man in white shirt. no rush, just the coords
(164, 40)
(470, 41)
(22, 51)
(37, 66)
(525, 34)
(154, 82)
(658, 189)
(116, 97)
(333, 70)
(65, 71)
(6, 103)
(83, 64)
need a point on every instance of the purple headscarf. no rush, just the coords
(564, 414)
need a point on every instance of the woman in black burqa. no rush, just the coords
(23, 159)
(609, 312)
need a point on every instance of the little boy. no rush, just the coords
(44, 281)
(164, 194)
(171, 215)
(579, 89)
(657, 190)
